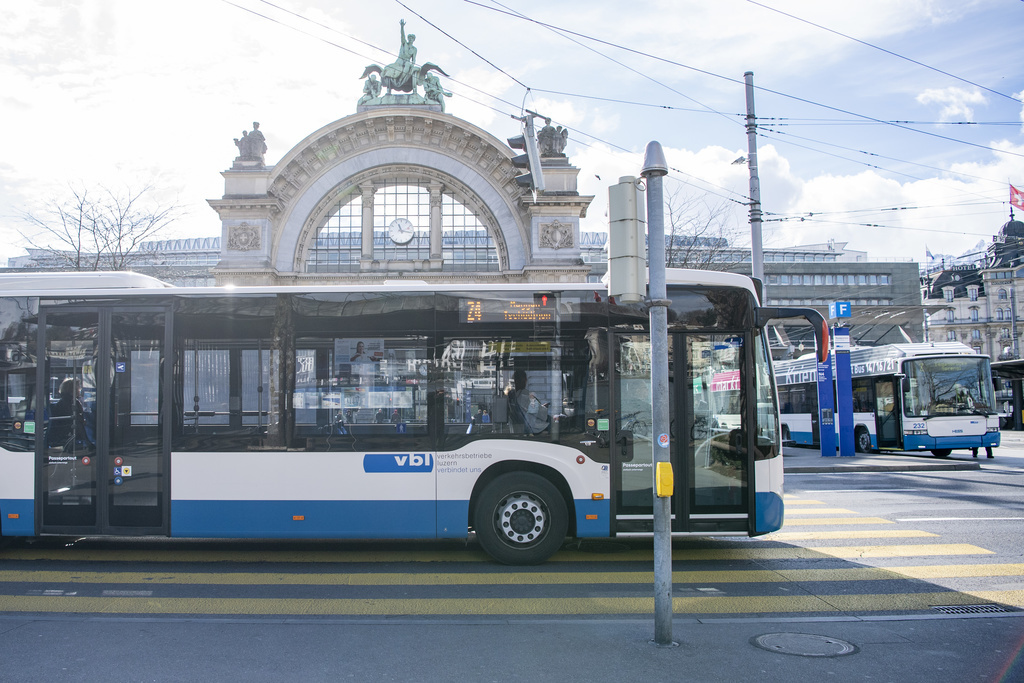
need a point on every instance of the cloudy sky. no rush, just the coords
(892, 126)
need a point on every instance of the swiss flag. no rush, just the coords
(1016, 198)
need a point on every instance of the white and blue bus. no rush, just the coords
(400, 411)
(906, 397)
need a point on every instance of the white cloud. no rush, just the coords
(109, 91)
(956, 102)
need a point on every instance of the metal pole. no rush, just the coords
(654, 170)
(756, 254)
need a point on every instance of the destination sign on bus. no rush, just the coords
(539, 308)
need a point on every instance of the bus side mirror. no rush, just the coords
(817, 321)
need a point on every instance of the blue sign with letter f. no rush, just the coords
(839, 309)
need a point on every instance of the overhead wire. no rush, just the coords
(740, 82)
(882, 49)
(563, 32)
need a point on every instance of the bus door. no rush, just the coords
(102, 458)
(707, 445)
(631, 433)
(887, 414)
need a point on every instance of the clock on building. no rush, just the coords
(401, 231)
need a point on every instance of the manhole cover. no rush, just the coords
(804, 645)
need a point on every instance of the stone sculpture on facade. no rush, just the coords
(403, 76)
(243, 237)
(551, 140)
(556, 235)
(251, 148)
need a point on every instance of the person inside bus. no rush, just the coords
(67, 418)
(531, 411)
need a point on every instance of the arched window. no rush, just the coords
(336, 248)
(999, 314)
(464, 241)
(1002, 295)
(974, 315)
(401, 200)
(404, 211)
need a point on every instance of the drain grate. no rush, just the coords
(969, 609)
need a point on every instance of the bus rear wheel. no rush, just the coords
(941, 452)
(862, 440)
(520, 518)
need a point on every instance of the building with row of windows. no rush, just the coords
(978, 304)
(401, 189)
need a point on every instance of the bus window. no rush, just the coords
(362, 393)
(17, 375)
(863, 399)
(767, 442)
(495, 387)
(720, 469)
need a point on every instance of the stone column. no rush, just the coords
(435, 225)
(367, 237)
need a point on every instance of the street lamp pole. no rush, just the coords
(654, 170)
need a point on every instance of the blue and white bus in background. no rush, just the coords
(512, 412)
(906, 397)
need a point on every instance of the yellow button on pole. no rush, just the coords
(664, 480)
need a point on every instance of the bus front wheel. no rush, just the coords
(520, 518)
(941, 452)
(862, 440)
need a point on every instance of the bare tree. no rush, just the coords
(698, 234)
(101, 230)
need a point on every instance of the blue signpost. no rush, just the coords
(844, 390)
(826, 409)
(844, 386)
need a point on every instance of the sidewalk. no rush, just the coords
(802, 459)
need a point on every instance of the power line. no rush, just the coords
(693, 178)
(888, 52)
(459, 42)
(739, 82)
(615, 61)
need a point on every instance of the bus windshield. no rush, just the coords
(948, 386)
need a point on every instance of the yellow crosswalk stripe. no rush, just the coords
(509, 578)
(820, 511)
(903, 550)
(634, 555)
(946, 571)
(716, 604)
(1013, 598)
(845, 533)
(827, 521)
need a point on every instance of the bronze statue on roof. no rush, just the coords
(403, 76)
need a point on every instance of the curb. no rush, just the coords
(943, 467)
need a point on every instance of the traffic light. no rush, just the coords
(534, 176)
(627, 227)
